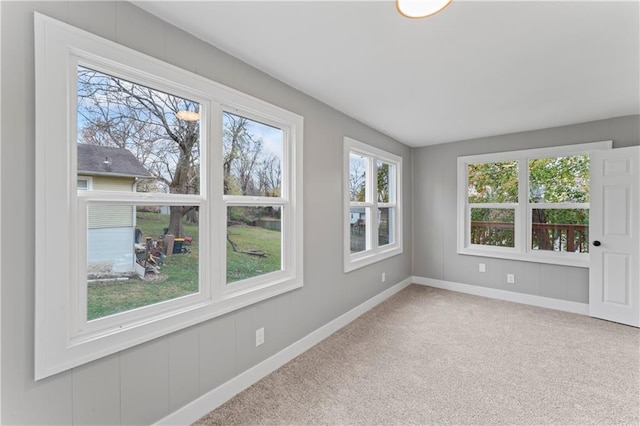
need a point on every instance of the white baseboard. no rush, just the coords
(511, 296)
(218, 396)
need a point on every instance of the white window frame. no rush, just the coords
(63, 337)
(290, 209)
(373, 253)
(523, 208)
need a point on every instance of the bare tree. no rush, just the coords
(247, 169)
(270, 176)
(115, 112)
(357, 179)
(235, 132)
(247, 163)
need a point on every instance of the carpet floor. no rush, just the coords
(431, 356)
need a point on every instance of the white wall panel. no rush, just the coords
(96, 392)
(144, 378)
(184, 368)
(217, 352)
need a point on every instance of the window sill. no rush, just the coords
(358, 262)
(564, 259)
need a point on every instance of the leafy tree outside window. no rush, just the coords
(492, 196)
(526, 205)
(553, 182)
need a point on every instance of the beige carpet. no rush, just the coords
(429, 356)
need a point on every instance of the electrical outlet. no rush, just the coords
(259, 336)
(511, 279)
(482, 267)
(384, 277)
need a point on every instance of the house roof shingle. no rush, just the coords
(109, 161)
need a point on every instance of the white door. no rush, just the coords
(614, 274)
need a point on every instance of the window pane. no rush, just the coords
(358, 166)
(254, 241)
(386, 221)
(252, 157)
(83, 184)
(492, 227)
(493, 182)
(561, 230)
(358, 218)
(133, 262)
(134, 137)
(386, 178)
(559, 179)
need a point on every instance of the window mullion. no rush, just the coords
(141, 197)
(239, 200)
(559, 206)
(373, 181)
(360, 204)
(522, 226)
(513, 206)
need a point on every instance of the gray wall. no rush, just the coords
(145, 383)
(435, 218)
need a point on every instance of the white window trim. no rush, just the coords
(374, 253)
(522, 231)
(63, 338)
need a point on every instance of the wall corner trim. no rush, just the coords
(218, 396)
(510, 296)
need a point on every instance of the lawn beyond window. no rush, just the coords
(167, 276)
(257, 252)
(254, 241)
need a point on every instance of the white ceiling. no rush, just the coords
(476, 69)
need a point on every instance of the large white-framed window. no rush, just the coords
(372, 204)
(162, 198)
(530, 205)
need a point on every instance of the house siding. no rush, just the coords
(106, 216)
(110, 250)
(110, 216)
(110, 229)
(110, 183)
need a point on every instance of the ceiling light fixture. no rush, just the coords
(188, 115)
(420, 8)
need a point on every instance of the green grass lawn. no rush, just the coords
(241, 265)
(179, 274)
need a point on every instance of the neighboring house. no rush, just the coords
(111, 229)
